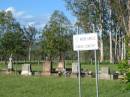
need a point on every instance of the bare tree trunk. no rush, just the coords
(101, 46)
(119, 56)
(110, 36)
(128, 32)
(101, 30)
(122, 49)
(29, 53)
(111, 55)
(115, 57)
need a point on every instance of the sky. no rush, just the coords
(35, 12)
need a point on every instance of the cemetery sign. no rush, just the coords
(83, 42)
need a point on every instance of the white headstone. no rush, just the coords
(105, 70)
(105, 73)
(74, 67)
(26, 69)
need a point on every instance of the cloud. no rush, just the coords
(10, 9)
(15, 12)
(26, 19)
(19, 14)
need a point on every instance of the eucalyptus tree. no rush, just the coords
(121, 20)
(30, 33)
(57, 35)
(89, 12)
(122, 15)
(11, 41)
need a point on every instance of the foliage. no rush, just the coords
(7, 22)
(12, 43)
(123, 66)
(30, 34)
(57, 35)
(87, 12)
(11, 36)
(125, 70)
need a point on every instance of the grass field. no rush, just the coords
(37, 86)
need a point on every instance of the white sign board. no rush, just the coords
(87, 41)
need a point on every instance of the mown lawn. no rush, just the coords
(39, 86)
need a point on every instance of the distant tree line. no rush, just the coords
(110, 21)
(23, 42)
(15, 40)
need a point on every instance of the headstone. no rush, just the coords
(129, 62)
(47, 68)
(10, 66)
(74, 68)
(105, 73)
(60, 66)
(26, 69)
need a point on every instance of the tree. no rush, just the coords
(122, 12)
(57, 35)
(89, 12)
(30, 36)
(11, 41)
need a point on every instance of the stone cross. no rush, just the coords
(10, 66)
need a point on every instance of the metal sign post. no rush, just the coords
(96, 72)
(79, 76)
(83, 42)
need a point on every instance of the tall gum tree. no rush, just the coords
(57, 36)
(89, 12)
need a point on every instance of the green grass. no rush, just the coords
(39, 86)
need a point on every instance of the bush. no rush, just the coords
(128, 76)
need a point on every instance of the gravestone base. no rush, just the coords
(74, 75)
(105, 76)
(6, 71)
(26, 73)
(46, 73)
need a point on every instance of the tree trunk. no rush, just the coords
(128, 33)
(110, 40)
(101, 46)
(115, 56)
(101, 30)
(29, 53)
(122, 49)
(111, 55)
